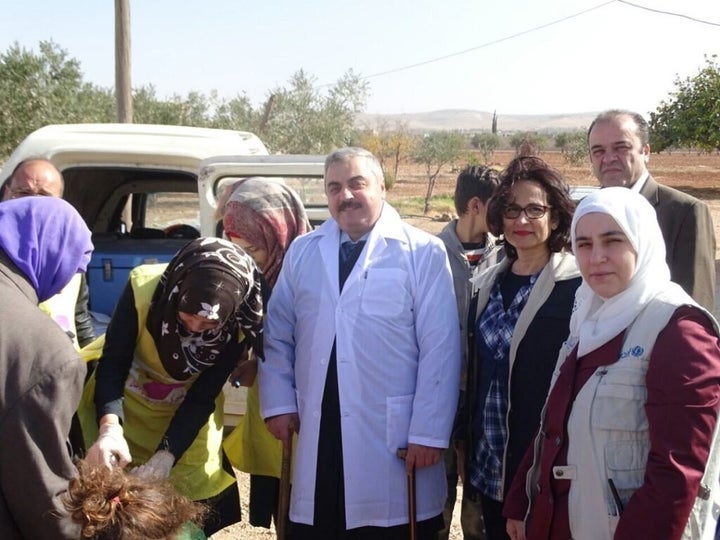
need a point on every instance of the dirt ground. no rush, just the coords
(244, 531)
(696, 174)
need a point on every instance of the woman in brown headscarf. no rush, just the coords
(263, 216)
(173, 341)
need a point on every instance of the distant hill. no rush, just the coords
(468, 120)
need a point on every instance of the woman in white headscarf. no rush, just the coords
(626, 444)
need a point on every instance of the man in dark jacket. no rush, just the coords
(619, 144)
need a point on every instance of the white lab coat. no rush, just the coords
(398, 363)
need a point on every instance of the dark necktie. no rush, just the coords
(349, 253)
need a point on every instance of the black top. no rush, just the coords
(114, 367)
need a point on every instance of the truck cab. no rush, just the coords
(146, 190)
(136, 187)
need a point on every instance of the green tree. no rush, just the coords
(377, 141)
(527, 141)
(573, 146)
(487, 143)
(392, 146)
(305, 120)
(690, 117)
(561, 140)
(198, 109)
(236, 113)
(47, 87)
(194, 109)
(97, 103)
(44, 87)
(401, 144)
(148, 108)
(434, 151)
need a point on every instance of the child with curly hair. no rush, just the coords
(110, 504)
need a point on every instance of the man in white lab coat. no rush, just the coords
(362, 366)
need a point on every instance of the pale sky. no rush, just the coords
(614, 56)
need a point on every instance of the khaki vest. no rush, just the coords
(617, 445)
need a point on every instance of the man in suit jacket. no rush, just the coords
(619, 152)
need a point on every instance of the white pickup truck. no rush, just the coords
(146, 190)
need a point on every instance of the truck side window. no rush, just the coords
(173, 213)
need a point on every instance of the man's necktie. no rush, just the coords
(349, 253)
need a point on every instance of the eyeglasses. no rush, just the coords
(532, 211)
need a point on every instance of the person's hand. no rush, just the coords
(515, 529)
(419, 456)
(283, 426)
(244, 373)
(158, 466)
(110, 448)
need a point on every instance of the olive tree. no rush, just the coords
(528, 142)
(194, 109)
(392, 146)
(44, 87)
(434, 151)
(306, 120)
(47, 87)
(487, 143)
(573, 145)
(235, 113)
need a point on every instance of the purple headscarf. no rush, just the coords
(46, 239)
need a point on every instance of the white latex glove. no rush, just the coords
(110, 448)
(158, 466)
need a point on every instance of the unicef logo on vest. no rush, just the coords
(635, 351)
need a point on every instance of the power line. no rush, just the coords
(488, 44)
(522, 33)
(702, 21)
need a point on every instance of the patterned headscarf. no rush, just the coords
(217, 280)
(267, 214)
(46, 239)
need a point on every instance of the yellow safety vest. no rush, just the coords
(61, 307)
(198, 473)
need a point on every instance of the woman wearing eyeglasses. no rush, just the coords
(522, 317)
(628, 446)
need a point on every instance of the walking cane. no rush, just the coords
(284, 492)
(412, 508)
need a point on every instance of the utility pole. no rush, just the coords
(123, 89)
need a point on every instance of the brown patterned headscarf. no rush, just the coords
(267, 214)
(215, 279)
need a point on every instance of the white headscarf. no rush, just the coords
(596, 320)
